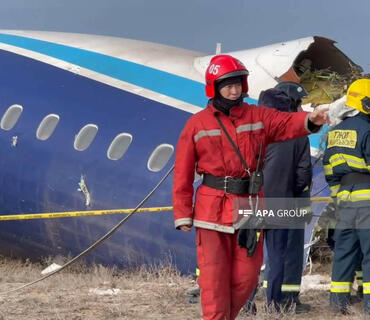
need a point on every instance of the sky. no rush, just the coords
(199, 24)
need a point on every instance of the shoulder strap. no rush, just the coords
(245, 165)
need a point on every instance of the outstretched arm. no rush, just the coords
(318, 117)
(282, 126)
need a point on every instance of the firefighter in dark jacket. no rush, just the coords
(347, 171)
(287, 174)
(228, 269)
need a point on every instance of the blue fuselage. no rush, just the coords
(42, 176)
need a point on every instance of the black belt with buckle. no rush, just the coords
(228, 184)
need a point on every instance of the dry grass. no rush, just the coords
(319, 301)
(146, 293)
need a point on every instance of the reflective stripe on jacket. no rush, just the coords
(348, 151)
(204, 147)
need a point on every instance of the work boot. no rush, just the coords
(358, 297)
(344, 310)
(193, 299)
(353, 299)
(301, 307)
(193, 295)
(271, 309)
(340, 303)
(250, 309)
(360, 292)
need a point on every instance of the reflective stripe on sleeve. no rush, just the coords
(249, 127)
(207, 133)
(183, 222)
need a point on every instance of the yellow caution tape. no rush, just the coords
(53, 215)
(68, 214)
(322, 199)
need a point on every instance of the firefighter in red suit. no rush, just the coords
(228, 272)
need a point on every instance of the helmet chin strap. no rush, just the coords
(366, 104)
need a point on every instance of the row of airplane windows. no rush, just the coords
(118, 147)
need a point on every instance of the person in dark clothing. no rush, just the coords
(347, 171)
(287, 174)
(285, 246)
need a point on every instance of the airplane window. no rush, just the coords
(159, 157)
(85, 137)
(11, 117)
(119, 146)
(47, 126)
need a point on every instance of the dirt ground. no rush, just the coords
(99, 293)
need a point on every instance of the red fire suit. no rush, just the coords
(227, 275)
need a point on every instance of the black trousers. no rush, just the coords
(276, 244)
(293, 266)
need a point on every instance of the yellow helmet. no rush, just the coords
(358, 95)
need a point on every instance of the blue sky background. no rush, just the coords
(200, 24)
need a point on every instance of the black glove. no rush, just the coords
(313, 127)
(247, 238)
